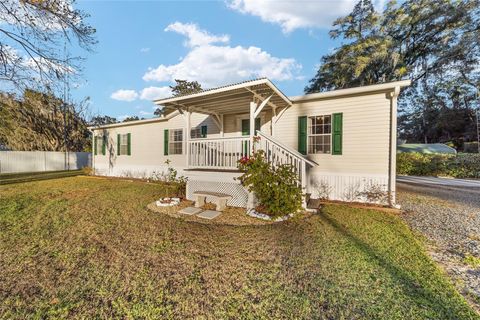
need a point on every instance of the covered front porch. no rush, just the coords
(235, 110)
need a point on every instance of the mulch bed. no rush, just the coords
(232, 216)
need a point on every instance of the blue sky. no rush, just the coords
(144, 45)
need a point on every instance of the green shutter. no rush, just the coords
(337, 133)
(245, 127)
(104, 145)
(165, 142)
(302, 135)
(129, 144)
(204, 132)
(95, 145)
(118, 144)
(257, 125)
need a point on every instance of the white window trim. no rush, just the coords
(318, 135)
(171, 141)
(125, 145)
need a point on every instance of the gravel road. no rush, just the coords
(449, 217)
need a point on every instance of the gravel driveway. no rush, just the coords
(448, 215)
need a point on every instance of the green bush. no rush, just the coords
(462, 165)
(276, 188)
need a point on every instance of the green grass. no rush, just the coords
(8, 178)
(86, 247)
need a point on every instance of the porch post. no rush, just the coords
(187, 136)
(221, 125)
(253, 107)
(274, 119)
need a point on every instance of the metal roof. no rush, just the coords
(233, 98)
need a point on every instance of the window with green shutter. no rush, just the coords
(204, 132)
(123, 144)
(337, 135)
(104, 145)
(302, 135)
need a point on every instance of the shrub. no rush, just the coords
(462, 165)
(276, 188)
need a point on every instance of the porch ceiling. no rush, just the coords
(230, 99)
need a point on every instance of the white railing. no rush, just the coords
(277, 153)
(221, 153)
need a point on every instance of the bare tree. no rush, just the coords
(33, 39)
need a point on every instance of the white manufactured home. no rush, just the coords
(342, 143)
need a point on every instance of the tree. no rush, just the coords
(436, 44)
(131, 118)
(101, 120)
(43, 122)
(33, 39)
(182, 87)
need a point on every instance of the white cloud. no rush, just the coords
(145, 50)
(291, 15)
(214, 65)
(123, 117)
(124, 95)
(152, 93)
(195, 35)
(145, 113)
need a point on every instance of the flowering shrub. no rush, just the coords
(276, 188)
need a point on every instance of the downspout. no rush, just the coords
(392, 165)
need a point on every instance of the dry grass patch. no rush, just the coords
(103, 254)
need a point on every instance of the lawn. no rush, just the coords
(85, 247)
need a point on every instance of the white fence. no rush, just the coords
(35, 161)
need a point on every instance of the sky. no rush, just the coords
(144, 45)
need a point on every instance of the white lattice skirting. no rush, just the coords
(236, 190)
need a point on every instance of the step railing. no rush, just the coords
(278, 153)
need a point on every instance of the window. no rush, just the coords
(319, 134)
(196, 133)
(199, 132)
(99, 145)
(123, 144)
(175, 141)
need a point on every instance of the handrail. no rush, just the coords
(220, 139)
(287, 148)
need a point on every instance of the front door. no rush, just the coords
(246, 126)
(246, 132)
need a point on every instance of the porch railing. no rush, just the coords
(218, 153)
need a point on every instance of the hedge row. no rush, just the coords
(462, 165)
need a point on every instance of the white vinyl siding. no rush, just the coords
(175, 141)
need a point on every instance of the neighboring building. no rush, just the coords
(425, 148)
(341, 142)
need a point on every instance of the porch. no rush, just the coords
(250, 108)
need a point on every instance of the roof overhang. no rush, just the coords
(231, 99)
(383, 87)
(165, 117)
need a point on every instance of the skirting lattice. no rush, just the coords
(238, 193)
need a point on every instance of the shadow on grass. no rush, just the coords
(443, 305)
